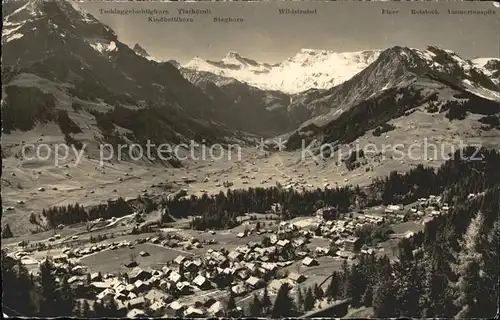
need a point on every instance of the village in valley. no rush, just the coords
(149, 170)
(189, 273)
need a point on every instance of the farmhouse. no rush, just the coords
(239, 289)
(216, 309)
(138, 274)
(179, 259)
(235, 256)
(201, 282)
(299, 278)
(255, 283)
(193, 313)
(352, 244)
(309, 262)
(136, 313)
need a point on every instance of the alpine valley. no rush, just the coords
(108, 231)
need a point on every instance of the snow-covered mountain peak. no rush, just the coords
(309, 68)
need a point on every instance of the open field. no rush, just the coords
(112, 261)
(89, 183)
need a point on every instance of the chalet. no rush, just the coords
(120, 297)
(74, 279)
(408, 234)
(140, 286)
(95, 276)
(136, 313)
(346, 254)
(241, 235)
(166, 271)
(229, 271)
(276, 284)
(269, 266)
(198, 263)
(177, 308)
(243, 274)
(131, 296)
(175, 277)
(299, 278)
(157, 306)
(394, 208)
(190, 266)
(179, 259)
(352, 244)
(143, 254)
(206, 301)
(322, 250)
(138, 274)
(78, 270)
(104, 293)
(239, 289)
(61, 258)
(283, 243)
(255, 283)
(235, 256)
(223, 262)
(99, 285)
(193, 313)
(368, 251)
(184, 287)
(309, 262)
(216, 309)
(201, 282)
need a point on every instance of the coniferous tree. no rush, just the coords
(283, 305)
(318, 292)
(255, 307)
(85, 309)
(6, 232)
(49, 295)
(353, 287)
(384, 293)
(266, 302)
(309, 300)
(367, 298)
(300, 299)
(231, 304)
(333, 289)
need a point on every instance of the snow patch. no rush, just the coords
(14, 37)
(102, 47)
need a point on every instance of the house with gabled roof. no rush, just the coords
(138, 302)
(309, 262)
(216, 309)
(299, 278)
(136, 313)
(179, 259)
(255, 283)
(201, 282)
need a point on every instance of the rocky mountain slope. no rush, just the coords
(490, 67)
(400, 80)
(319, 69)
(61, 65)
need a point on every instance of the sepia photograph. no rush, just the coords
(245, 159)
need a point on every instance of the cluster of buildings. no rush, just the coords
(166, 291)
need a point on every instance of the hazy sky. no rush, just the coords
(268, 36)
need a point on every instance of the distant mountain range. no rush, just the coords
(61, 65)
(308, 69)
